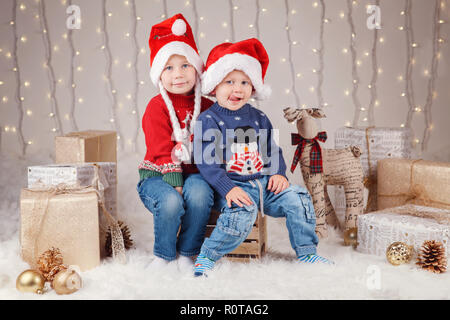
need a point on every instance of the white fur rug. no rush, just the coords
(276, 276)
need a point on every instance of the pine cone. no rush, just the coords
(128, 242)
(432, 257)
(50, 263)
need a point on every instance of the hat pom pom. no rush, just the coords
(179, 27)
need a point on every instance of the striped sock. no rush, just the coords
(202, 264)
(313, 258)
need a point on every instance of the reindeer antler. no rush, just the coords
(291, 114)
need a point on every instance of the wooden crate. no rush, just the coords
(253, 247)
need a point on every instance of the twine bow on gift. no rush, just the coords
(315, 153)
(40, 209)
(417, 193)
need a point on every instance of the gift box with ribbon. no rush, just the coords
(86, 146)
(411, 224)
(65, 217)
(375, 143)
(404, 181)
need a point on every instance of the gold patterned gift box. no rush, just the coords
(376, 143)
(420, 182)
(83, 175)
(86, 146)
(66, 219)
(411, 224)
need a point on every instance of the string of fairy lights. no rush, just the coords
(48, 65)
(16, 70)
(72, 84)
(111, 88)
(363, 113)
(411, 45)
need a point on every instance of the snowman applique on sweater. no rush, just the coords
(245, 158)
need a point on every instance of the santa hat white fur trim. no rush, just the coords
(217, 71)
(174, 47)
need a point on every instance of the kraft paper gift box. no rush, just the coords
(376, 143)
(81, 174)
(420, 182)
(86, 146)
(68, 221)
(410, 224)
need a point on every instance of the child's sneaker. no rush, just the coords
(313, 258)
(202, 264)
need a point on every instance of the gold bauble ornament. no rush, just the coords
(351, 237)
(67, 281)
(30, 281)
(398, 253)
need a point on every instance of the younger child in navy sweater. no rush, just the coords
(235, 151)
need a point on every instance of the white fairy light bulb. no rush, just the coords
(23, 39)
(342, 15)
(26, 83)
(315, 4)
(22, 7)
(29, 113)
(347, 92)
(224, 24)
(5, 99)
(345, 50)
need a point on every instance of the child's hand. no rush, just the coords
(237, 195)
(277, 183)
(180, 190)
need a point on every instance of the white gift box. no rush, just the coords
(77, 173)
(377, 230)
(383, 143)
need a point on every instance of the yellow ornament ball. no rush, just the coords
(30, 281)
(399, 253)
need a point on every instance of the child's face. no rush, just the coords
(234, 90)
(178, 76)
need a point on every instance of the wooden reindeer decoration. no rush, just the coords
(323, 167)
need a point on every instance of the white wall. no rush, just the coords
(94, 111)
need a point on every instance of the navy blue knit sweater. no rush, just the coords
(235, 145)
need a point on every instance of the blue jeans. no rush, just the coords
(234, 224)
(170, 210)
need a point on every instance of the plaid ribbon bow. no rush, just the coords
(316, 151)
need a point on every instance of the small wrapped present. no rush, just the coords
(420, 182)
(67, 220)
(410, 224)
(100, 175)
(375, 143)
(86, 146)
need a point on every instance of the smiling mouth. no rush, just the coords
(179, 84)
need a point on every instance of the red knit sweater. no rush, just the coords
(158, 136)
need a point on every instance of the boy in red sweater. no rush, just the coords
(170, 185)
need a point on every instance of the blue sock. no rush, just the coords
(202, 264)
(313, 258)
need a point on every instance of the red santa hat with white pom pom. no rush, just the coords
(174, 36)
(249, 56)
